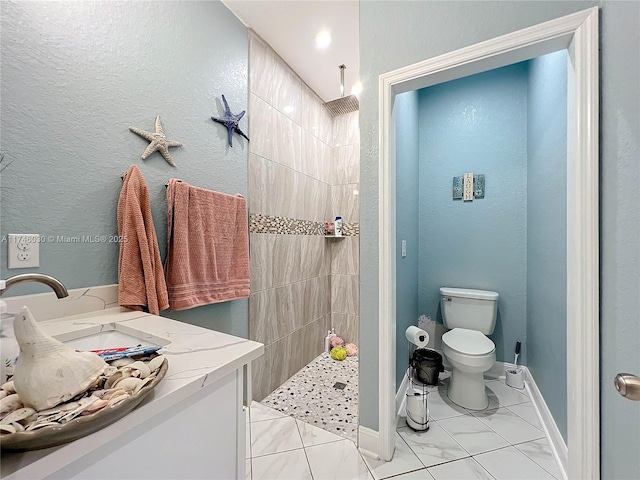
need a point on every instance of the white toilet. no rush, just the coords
(470, 315)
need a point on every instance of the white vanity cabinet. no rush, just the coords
(201, 438)
(191, 426)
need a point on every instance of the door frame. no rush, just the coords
(578, 33)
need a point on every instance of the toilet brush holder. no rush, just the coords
(515, 378)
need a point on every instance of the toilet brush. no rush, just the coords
(515, 376)
(515, 362)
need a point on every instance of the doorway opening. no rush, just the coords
(578, 34)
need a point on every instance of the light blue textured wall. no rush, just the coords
(546, 347)
(399, 33)
(407, 187)
(75, 76)
(476, 124)
(619, 234)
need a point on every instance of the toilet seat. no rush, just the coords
(470, 354)
(468, 342)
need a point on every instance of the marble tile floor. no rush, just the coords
(310, 395)
(503, 442)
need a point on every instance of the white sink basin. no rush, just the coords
(109, 339)
(110, 336)
(88, 336)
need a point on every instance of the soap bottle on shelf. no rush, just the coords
(327, 340)
(338, 227)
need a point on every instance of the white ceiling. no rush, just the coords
(290, 27)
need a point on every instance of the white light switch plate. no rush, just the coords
(23, 250)
(404, 248)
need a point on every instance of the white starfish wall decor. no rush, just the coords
(158, 142)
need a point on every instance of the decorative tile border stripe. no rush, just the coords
(351, 229)
(260, 223)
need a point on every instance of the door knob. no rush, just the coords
(628, 385)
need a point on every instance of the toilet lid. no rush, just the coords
(469, 342)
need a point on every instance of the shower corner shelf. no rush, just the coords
(335, 236)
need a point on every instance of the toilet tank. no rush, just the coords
(471, 309)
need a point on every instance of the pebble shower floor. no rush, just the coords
(312, 395)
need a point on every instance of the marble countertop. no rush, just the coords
(197, 358)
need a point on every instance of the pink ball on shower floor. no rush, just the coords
(352, 350)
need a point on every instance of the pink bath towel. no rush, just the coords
(208, 246)
(141, 284)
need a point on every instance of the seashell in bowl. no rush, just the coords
(18, 426)
(155, 363)
(143, 370)
(110, 370)
(65, 407)
(121, 362)
(128, 384)
(10, 403)
(37, 425)
(49, 372)
(9, 387)
(113, 392)
(118, 398)
(4, 429)
(17, 415)
(112, 380)
(142, 384)
(95, 406)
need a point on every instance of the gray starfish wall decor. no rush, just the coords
(230, 121)
(158, 142)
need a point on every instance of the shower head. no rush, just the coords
(342, 105)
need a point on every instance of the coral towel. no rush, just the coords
(141, 284)
(208, 246)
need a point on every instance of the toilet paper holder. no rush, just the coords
(416, 336)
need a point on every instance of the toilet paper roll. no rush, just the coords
(417, 336)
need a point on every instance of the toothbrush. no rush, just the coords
(515, 363)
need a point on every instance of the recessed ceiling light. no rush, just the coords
(356, 89)
(287, 109)
(323, 39)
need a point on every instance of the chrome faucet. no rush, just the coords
(54, 283)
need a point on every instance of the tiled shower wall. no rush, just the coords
(293, 186)
(345, 201)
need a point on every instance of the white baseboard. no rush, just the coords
(558, 446)
(368, 442)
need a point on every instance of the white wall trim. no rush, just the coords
(578, 33)
(583, 258)
(368, 441)
(558, 446)
(387, 274)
